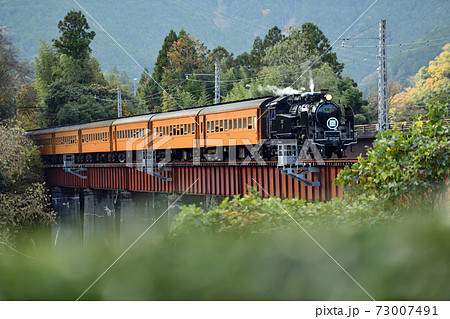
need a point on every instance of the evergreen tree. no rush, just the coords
(75, 39)
(162, 61)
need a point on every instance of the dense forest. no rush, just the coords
(140, 26)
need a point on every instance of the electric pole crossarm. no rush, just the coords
(216, 81)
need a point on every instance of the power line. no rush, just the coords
(398, 44)
(353, 36)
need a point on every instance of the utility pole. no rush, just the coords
(119, 102)
(217, 83)
(382, 80)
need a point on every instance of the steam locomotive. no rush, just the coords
(315, 117)
(218, 132)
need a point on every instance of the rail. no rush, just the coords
(402, 125)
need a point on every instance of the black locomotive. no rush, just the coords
(310, 116)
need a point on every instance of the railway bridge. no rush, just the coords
(313, 181)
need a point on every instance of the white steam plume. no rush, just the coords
(279, 91)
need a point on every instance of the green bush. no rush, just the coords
(405, 168)
(251, 214)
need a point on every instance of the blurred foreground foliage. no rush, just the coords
(393, 261)
(24, 202)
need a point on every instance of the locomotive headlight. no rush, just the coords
(328, 97)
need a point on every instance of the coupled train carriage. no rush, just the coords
(219, 132)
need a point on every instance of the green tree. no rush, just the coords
(75, 39)
(27, 104)
(45, 65)
(11, 76)
(317, 44)
(168, 103)
(86, 71)
(260, 47)
(349, 95)
(162, 61)
(23, 198)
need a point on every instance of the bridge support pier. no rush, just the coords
(68, 227)
(93, 216)
(99, 216)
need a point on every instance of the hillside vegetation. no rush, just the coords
(140, 26)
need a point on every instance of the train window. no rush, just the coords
(164, 130)
(207, 127)
(234, 124)
(201, 127)
(245, 123)
(226, 125)
(170, 130)
(249, 123)
(189, 128)
(221, 125)
(181, 131)
(240, 123)
(185, 129)
(193, 128)
(216, 128)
